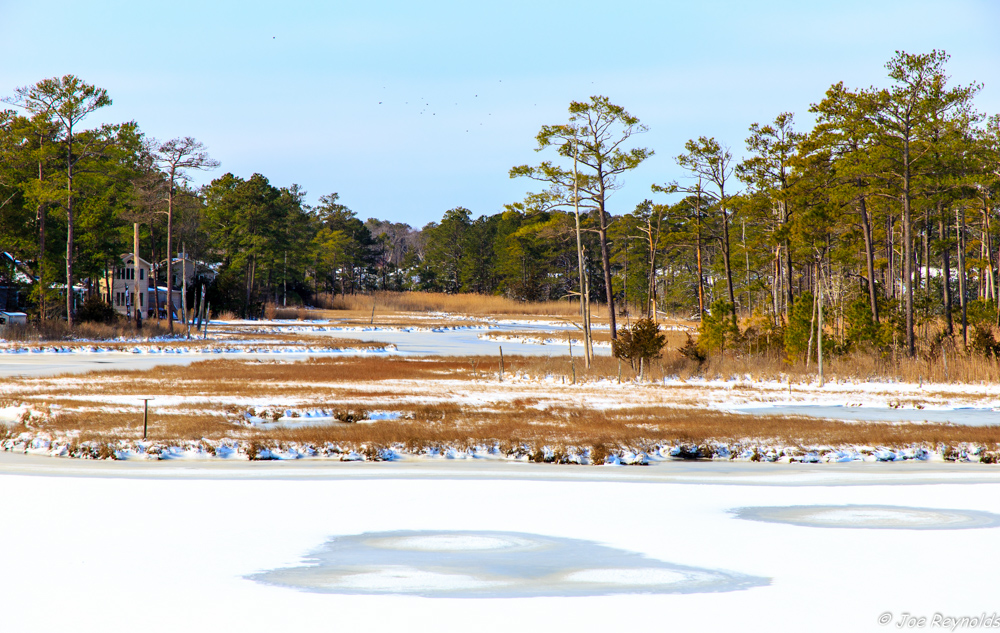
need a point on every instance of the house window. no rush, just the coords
(140, 298)
(141, 273)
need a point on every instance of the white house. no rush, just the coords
(122, 295)
(182, 267)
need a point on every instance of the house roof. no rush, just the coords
(127, 257)
(22, 273)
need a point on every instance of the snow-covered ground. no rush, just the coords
(473, 546)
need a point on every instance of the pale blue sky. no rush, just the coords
(293, 89)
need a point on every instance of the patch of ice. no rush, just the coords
(871, 517)
(406, 580)
(456, 542)
(383, 415)
(635, 577)
(491, 565)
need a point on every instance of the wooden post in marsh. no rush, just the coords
(208, 316)
(501, 362)
(137, 302)
(145, 416)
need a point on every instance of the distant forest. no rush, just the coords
(887, 209)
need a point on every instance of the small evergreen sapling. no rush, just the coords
(717, 329)
(642, 341)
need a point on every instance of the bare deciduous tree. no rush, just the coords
(175, 157)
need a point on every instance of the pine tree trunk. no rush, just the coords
(725, 259)
(945, 271)
(606, 264)
(908, 267)
(869, 259)
(960, 234)
(69, 228)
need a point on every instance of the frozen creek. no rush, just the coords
(423, 341)
(474, 546)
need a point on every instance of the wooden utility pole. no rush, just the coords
(184, 292)
(201, 311)
(136, 269)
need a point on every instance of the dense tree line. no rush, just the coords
(887, 209)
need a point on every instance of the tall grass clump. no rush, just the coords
(58, 330)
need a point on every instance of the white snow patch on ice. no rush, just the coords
(408, 579)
